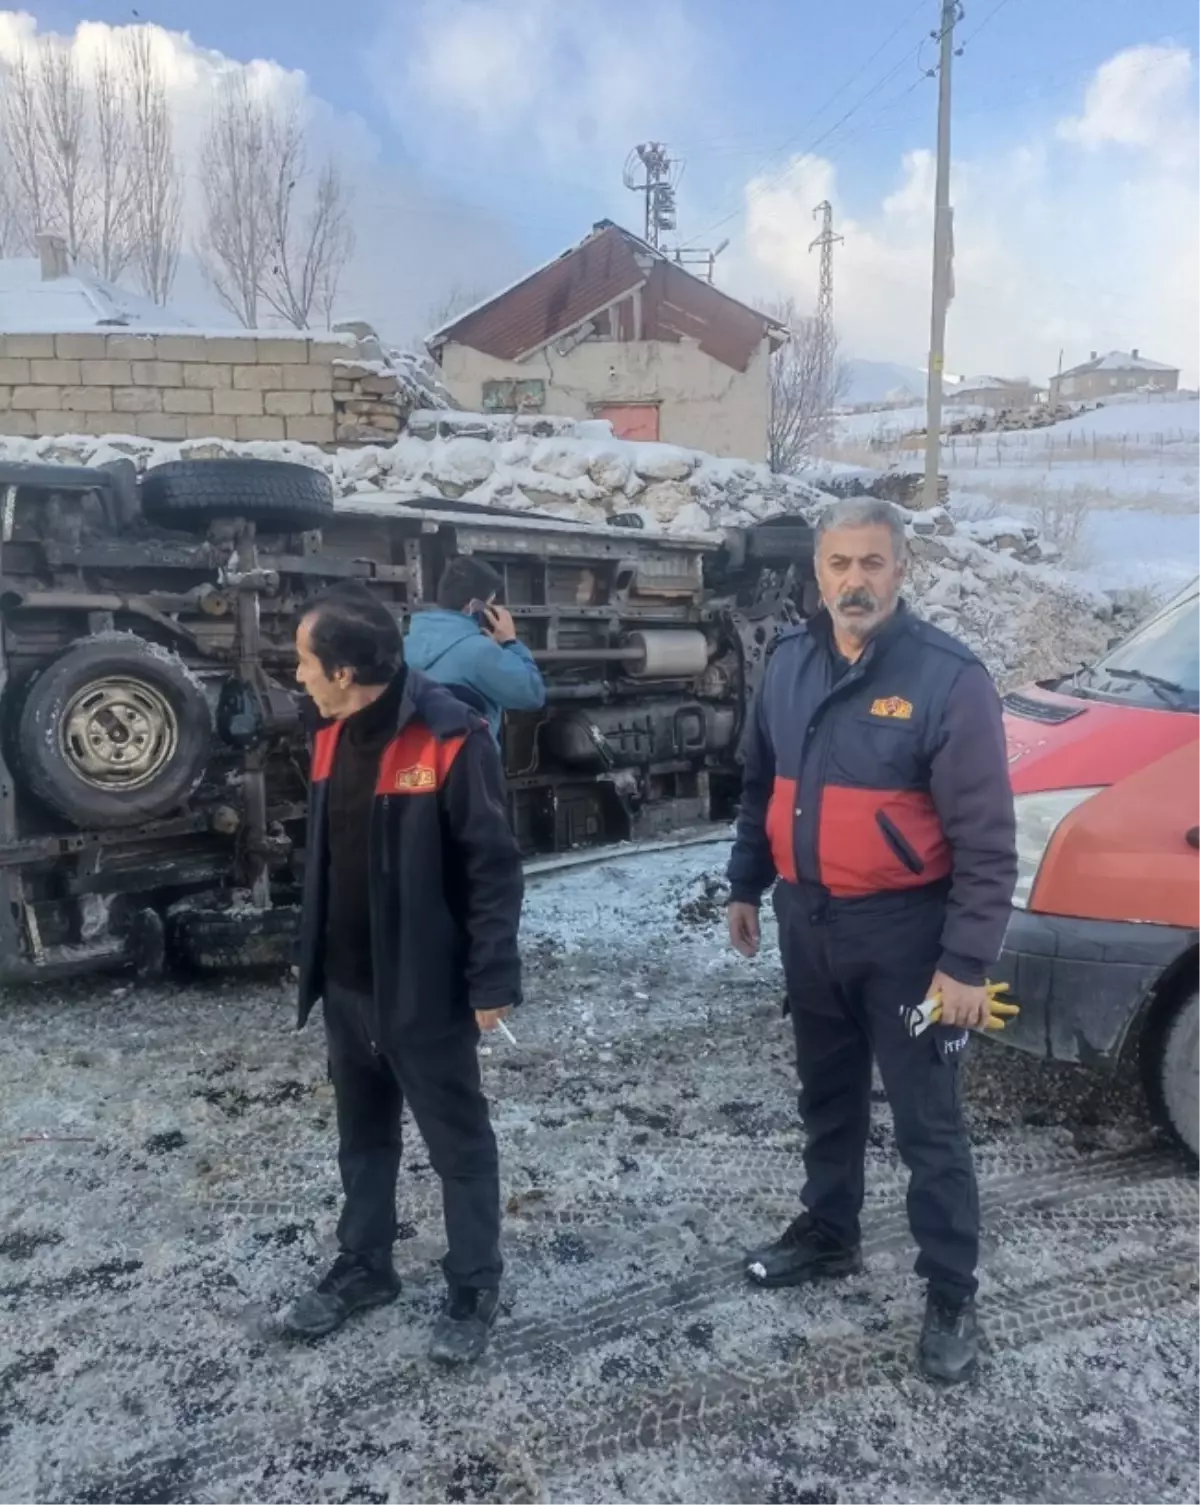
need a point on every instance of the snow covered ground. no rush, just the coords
(169, 1181)
(1117, 548)
(1119, 484)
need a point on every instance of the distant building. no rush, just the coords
(615, 329)
(1106, 375)
(996, 392)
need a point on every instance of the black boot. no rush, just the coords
(949, 1347)
(460, 1333)
(353, 1283)
(801, 1254)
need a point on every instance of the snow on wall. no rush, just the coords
(981, 582)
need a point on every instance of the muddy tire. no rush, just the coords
(115, 732)
(1176, 1074)
(281, 497)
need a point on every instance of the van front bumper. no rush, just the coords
(1081, 984)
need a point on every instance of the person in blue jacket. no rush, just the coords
(468, 641)
(876, 802)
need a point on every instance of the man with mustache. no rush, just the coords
(876, 791)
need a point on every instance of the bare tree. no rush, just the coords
(11, 230)
(233, 244)
(26, 194)
(63, 142)
(273, 235)
(332, 238)
(457, 300)
(157, 197)
(110, 245)
(310, 247)
(61, 153)
(807, 382)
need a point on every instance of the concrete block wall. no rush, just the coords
(195, 386)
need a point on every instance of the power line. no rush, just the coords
(995, 11)
(841, 89)
(759, 190)
(881, 83)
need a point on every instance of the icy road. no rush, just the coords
(167, 1181)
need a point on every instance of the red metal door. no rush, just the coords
(631, 420)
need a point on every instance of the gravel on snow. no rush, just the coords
(169, 1181)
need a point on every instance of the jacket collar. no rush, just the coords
(897, 626)
(419, 699)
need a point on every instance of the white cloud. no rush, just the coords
(415, 242)
(554, 83)
(1134, 99)
(1084, 239)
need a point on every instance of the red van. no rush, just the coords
(1101, 950)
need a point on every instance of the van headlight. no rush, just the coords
(1038, 817)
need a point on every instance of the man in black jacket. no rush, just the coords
(412, 901)
(876, 790)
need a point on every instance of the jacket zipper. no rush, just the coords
(852, 677)
(377, 842)
(898, 842)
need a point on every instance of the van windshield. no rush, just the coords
(1158, 666)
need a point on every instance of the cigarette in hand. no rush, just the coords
(506, 1032)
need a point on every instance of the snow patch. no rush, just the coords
(978, 579)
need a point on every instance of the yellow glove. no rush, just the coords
(999, 1010)
(919, 1018)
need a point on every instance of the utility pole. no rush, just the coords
(943, 256)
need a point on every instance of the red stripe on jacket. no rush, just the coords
(414, 762)
(864, 832)
(324, 748)
(781, 827)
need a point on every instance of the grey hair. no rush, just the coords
(864, 512)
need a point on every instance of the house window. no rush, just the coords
(631, 420)
(510, 395)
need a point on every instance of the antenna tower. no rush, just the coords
(650, 171)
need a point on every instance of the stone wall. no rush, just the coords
(243, 387)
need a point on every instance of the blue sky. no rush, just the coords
(768, 69)
(512, 118)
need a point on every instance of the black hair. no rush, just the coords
(349, 628)
(466, 579)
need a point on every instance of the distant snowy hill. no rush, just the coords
(882, 381)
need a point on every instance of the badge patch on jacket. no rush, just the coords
(419, 776)
(893, 708)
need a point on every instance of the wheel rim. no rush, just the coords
(118, 734)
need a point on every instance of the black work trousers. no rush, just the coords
(851, 968)
(439, 1079)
